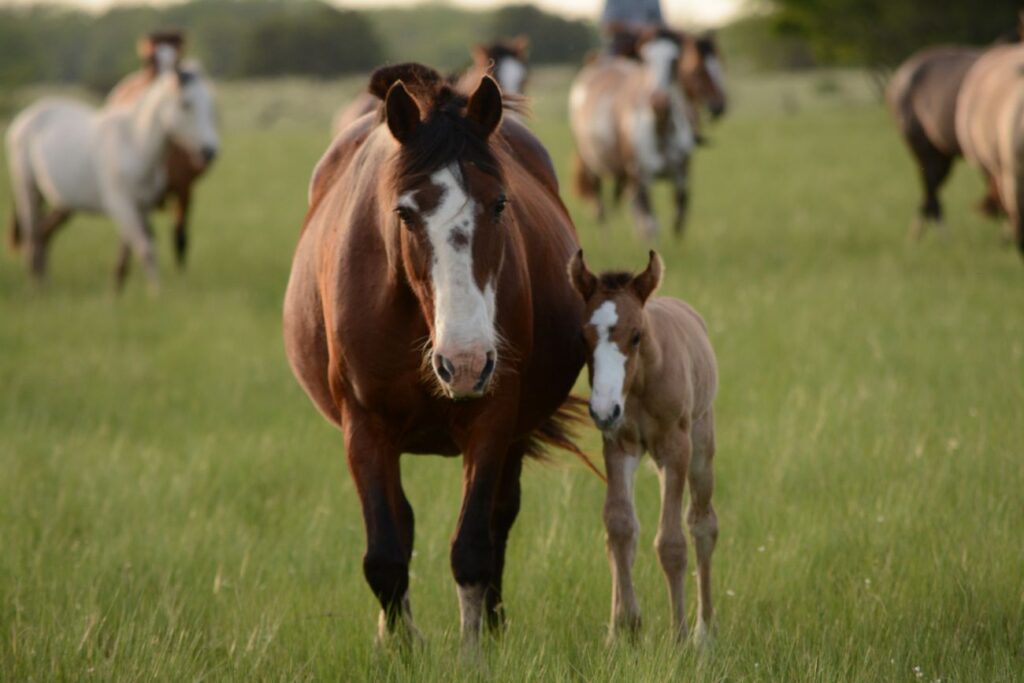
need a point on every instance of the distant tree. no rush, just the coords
(553, 39)
(881, 33)
(321, 42)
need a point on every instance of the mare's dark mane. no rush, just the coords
(444, 136)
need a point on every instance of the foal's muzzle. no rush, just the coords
(465, 375)
(609, 421)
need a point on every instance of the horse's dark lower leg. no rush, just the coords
(588, 186)
(473, 548)
(934, 166)
(53, 222)
(646, 225)
(681, 193)
(506, 509)
(373, 462)
(124, 260)
(990, 204)
(182, 203)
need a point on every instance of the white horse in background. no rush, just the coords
(110, 161)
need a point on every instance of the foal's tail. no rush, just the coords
(557, 431)
(14, 232)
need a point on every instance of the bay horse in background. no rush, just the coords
(922, 97)
(113, 160)
(505, 60)
(428, 312)
(630, 122)
(653, 378)
(990, 130)
(183, 168)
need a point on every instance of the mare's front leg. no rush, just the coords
(474, 547)
(183, 200)
(506, 509)
(373, 460)
(621, 531)
(672, 455)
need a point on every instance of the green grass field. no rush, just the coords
(173, 508)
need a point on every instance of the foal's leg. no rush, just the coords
(622, 529)
(506, 509)
(701, 517)
(672, 456)
(374, 463)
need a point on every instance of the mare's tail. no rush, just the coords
(558, 431)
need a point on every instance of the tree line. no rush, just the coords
(260, 38)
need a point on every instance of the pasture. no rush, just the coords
(173, 508)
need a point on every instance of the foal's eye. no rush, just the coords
(404, 214)
(500, 206)
(635, 341)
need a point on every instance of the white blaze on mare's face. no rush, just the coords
(511, 74)
(195, 126)
(165, 57)
(463, 314)
(659, 55)
(609, 364)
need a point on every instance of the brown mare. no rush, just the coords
(183, 169)
(990, 128)
(922, 98)
(631, 121)
(653, 378)
(428, 312)
(504, 60)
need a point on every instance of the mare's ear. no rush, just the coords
(583, 281)
(648, 281)
(485, 108)
(402, 112)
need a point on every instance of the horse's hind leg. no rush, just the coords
(701, 518)
(53, 222)
(621, 530)
(183, 200)
(28, 207)
(672, 456)
(646, 225)
(934, 166)
(374, 463)
(588, 186)
(681, 193)
(124, 260)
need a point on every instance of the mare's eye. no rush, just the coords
(635, 341)
(404, 214)
(500, 205)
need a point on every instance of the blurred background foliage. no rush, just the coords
(259, 38)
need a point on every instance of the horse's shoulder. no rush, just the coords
(338, 154)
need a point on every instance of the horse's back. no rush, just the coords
(596, 97)
(922, 94)
(990, 119)
(686, 351)
(55, 140)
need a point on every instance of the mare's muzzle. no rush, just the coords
(465, 374)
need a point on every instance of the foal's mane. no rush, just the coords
(615, 280)
(444, 136)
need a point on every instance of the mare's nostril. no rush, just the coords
(209, 153)
(616, 411)
(486, 373)
(445, 369)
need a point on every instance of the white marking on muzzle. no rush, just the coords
(609, 364)
(463, 314)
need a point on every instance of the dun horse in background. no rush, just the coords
(653, 378)
(990, 128)
(428, 312)
(922, 98)
(631, 122)
(183, 168)
(112, 161)
(507, 61)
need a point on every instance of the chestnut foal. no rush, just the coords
(653, 379)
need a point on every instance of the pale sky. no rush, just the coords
(699, 12)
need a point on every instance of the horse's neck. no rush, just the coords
(148, 137)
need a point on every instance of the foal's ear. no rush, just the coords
(402, 112)
(485, 108)
(580, 276)
(648, 281)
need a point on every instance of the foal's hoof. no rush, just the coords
(703, 636)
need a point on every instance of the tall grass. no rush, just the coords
(173, 508)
